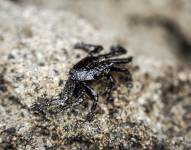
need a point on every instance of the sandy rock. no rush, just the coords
(36, 52)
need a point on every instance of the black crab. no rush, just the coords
(93, 67)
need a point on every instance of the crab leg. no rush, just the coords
(125, 70)
(129, 78)
(89, 48)
(94, 96)
(79, 96)
(120, 60)
(110, 87)
(114, 51)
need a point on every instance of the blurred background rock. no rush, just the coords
(159, 29)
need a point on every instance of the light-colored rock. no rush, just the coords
(36, 52)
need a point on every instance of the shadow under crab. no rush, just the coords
(93, 67)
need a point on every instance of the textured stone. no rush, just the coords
(36, 53)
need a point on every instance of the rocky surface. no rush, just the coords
(36, 53)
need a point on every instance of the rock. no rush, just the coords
(36, 52)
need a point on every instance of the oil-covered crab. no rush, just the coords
(93, 67)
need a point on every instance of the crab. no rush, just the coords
(93, 67)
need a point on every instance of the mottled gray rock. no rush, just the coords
(36, 52)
